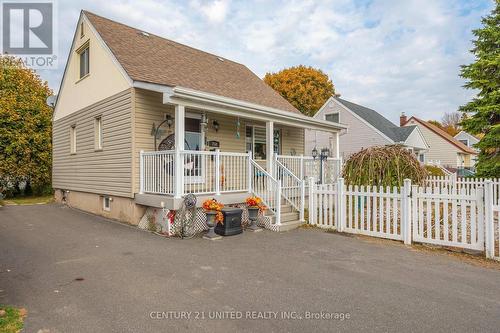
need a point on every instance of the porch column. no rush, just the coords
(337, 145)
(179, 147)
(269, 146)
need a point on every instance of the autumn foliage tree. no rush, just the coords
(483, 75)
(25, 128)
(306, 88)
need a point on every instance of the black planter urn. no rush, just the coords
(211, 235)
(253, 214)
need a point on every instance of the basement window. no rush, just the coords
(106, 204)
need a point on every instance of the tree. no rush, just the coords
(306, 88)
(484, 110)
(436, 123)
(25, 127)
(451, 122)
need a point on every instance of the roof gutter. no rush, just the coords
(171, 96)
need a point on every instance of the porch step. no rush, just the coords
(285, 208)
(290, 225)
(289, 218)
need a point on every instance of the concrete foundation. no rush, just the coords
(121, 208)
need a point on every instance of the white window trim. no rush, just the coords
(253, 127)
(72, 139)
(332, 113)
(81, 49)
(98, 133)
(466, 142)
(105, 207)
(201, 178)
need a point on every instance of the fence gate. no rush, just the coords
(444, 217)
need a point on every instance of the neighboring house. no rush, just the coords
(367, 128)
(469, 140)
(444, 148)
(222, 126)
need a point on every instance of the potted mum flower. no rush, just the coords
(213, 209)
(254, 205)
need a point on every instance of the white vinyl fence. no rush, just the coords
(466, 219)
(443, 217)
(457, 184)
(306, 166)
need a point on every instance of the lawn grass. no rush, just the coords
(12, 320)
(30, 200)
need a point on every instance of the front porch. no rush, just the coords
(225, 149)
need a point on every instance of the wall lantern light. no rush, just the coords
(216, 125)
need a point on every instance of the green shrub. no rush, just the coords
(434, 170)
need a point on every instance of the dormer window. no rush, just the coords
(84, 62)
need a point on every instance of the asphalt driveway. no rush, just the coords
(75, 272)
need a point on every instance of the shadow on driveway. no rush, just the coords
(76, 272)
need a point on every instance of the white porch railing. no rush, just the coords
(204, 172)
(292, 188)
(267, 188)
(157, 172)
(306, 166)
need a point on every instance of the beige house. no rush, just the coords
(443, 148)
(141, 121)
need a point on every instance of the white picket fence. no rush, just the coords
(457, 184)
(442, 216)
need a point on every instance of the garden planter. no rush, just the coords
(232, 222)
(211, 224)
(253, 214)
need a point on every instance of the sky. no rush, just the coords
(389, 55)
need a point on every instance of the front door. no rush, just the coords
(193, 141)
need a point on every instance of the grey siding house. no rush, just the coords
(367, 128)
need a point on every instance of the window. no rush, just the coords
(421, 158)
(465, 142)
(333, 117)
(84, 62)
(98, 133)
(72, 139)
(106, 204)
(256, 141)
(82, 33)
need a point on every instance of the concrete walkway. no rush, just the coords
(75, 272)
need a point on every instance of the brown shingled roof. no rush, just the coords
(158, 60)
(444, 135)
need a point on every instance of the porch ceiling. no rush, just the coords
(218, 104)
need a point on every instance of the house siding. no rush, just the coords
(359, 135)
(439, 148)
(466, 136)
(104, 79)
(103, 172)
